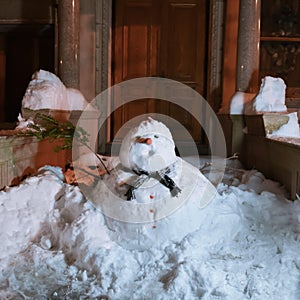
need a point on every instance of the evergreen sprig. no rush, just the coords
(46, 127)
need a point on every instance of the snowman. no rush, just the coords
(148, 168)
(151, 196)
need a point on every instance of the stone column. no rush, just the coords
(247, 69)
(103, 44)
(248, 46)
(68, 42)
(103, 63)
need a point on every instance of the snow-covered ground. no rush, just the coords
(54, 245)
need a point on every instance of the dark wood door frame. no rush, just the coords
(215, 56)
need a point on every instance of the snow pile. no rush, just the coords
(270, 101)
(24, 208)
(24, 124)
(290, 129)
(246, 247)
(239, 101)
(46, 91)
(270, 98)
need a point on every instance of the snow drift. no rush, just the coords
(247, 246)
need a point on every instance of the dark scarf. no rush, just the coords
(161, 176)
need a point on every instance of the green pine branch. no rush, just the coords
(48, 128)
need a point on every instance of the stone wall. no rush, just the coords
(23, 156)
(277, 160)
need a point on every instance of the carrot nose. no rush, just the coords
(140, 140)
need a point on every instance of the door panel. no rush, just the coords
(135, 50)
(134, 53)
(183, 57)
(180, 39)
(164, 38)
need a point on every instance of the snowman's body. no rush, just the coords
(144, 187)
(160, 196)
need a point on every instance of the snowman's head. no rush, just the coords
(148, 147)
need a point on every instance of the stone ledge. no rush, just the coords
(266, 123)
(276, 159)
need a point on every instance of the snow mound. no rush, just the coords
(290, 129)
(23, 208)
(270, 98)
(246, 247)
(46, 91)
(239, 101)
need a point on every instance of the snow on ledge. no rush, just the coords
(46, 91)
(270, 98)
(290, 129)
(238, 102)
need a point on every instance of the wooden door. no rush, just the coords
(164, 38)
(135, 51)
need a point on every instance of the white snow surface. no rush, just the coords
(57, 246)
(165, 218)
(18, 205)
(24, 124)
(46, 91)
(270, 98)
(158, 155)
(238, 102)
(290, 129)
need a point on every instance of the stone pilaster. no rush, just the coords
(248, 46)
(68, 42)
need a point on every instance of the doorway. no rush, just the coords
(161, 38)
(24, 49)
